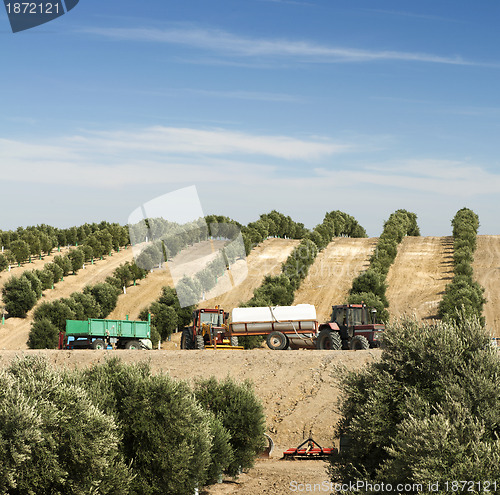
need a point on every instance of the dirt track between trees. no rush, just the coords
(487, 273)
(417, 278)
(331, 275)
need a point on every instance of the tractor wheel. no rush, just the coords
(359, 343)
(187, 339)
(328, 340)
(200, 342)
(277, 341)
(234, 341)
(133, 345)
(98, 344)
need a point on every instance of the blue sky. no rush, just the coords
(303, 106)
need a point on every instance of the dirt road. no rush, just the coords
(418, 276)
(487, 273)
(330, 277)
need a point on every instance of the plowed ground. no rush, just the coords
(487, 273)
(417, 278)
(331, 275)
(265, 259)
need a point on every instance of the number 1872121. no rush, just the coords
(32, 8)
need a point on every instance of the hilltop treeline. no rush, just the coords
(370, 286)
(463, 293)
(118, 429)
(22, 244)
(20, 293)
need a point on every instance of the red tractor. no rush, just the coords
(351, 326)
(209, 329)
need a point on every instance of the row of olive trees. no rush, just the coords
(463, 292)
(370, 286)
(22, 244)
(21, 293)
(118, 429)
(274, 224)
(96, 301)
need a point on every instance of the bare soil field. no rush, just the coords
(417, 278)
(299, 390)
(487, 272)
(331, 275)
(265, 259)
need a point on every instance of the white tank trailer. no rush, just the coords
(285, 326)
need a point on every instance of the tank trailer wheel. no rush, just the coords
(133, 345)
(359, 343)
(99, 344)
(200, 342)
(277, 341)
(328, 340)
(234, 341)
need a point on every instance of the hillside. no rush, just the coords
(14, 334)
(418, 276)
(487, 272)
(265, 259)
(36, 264)
(330, 277)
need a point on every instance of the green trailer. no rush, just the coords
(99, 334)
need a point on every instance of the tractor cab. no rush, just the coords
(357, 323)
(209, 329)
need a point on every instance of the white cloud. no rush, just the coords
(187, 141)
(223, 42)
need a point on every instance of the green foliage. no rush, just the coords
(76, 258)
(105, 295)
(221, 452)
(43, 335)
(64, 263)
(18, 296)
(20, 250)
(46, 278)
(428, 411)
(56, 270)
(372, 301)
(166, 434)
(167, 314)
(275, 291)
(240, 412)
(371, 282)
(463, 294)
(36, 285)
(53, 439)
(4, 262)
(57, 312)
